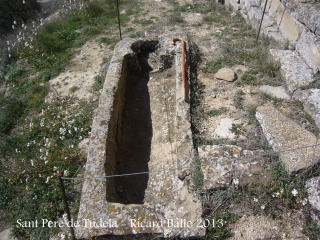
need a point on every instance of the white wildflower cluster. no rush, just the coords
(25, 33)
(303, 201)
(276, 194)
(294, 192)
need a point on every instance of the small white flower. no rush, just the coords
(31, 161)
(23, 1)
(48, 178)
(304, 201)
(62, 131)
(26, 44)
(55, 168)
(42, 122)
(263, 207)
(294, 192)
(236, 181)
(66, 173)
(255, 199)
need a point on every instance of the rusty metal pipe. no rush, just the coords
(182, 63)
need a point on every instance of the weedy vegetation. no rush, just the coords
(40, 138)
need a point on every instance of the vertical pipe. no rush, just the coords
(119, 23)
(66, 206)
(264, 11)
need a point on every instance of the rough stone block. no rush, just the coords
(226, 165)
(295, 71)
(306, 12)
(313, 188)
(311, 102)
(278, 92)
(293, 143)
(308, 47)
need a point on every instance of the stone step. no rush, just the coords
(227, 165)
(294, 70)
(311, 102)
(289, 139)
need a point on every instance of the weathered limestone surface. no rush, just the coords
(168, 196)
(226, 165)
(306, 12)
(294, 70)
(6, 235)
(308, 47)
(286, 23)
(278, 92)
(311, 102)
(289, 139)
(223, 129)
(313, 187)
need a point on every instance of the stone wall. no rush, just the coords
(294, 23)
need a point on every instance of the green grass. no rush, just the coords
(238, 99)
(217, 112)
(248, 78)
(236, 129)
(45, 144)
(98, 83)
(38, 138)
(197, 175)
(217, 214)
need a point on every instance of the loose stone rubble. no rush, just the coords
(289, 139)
(227, 165)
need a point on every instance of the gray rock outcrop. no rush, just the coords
(293, 143)
(227, 165)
